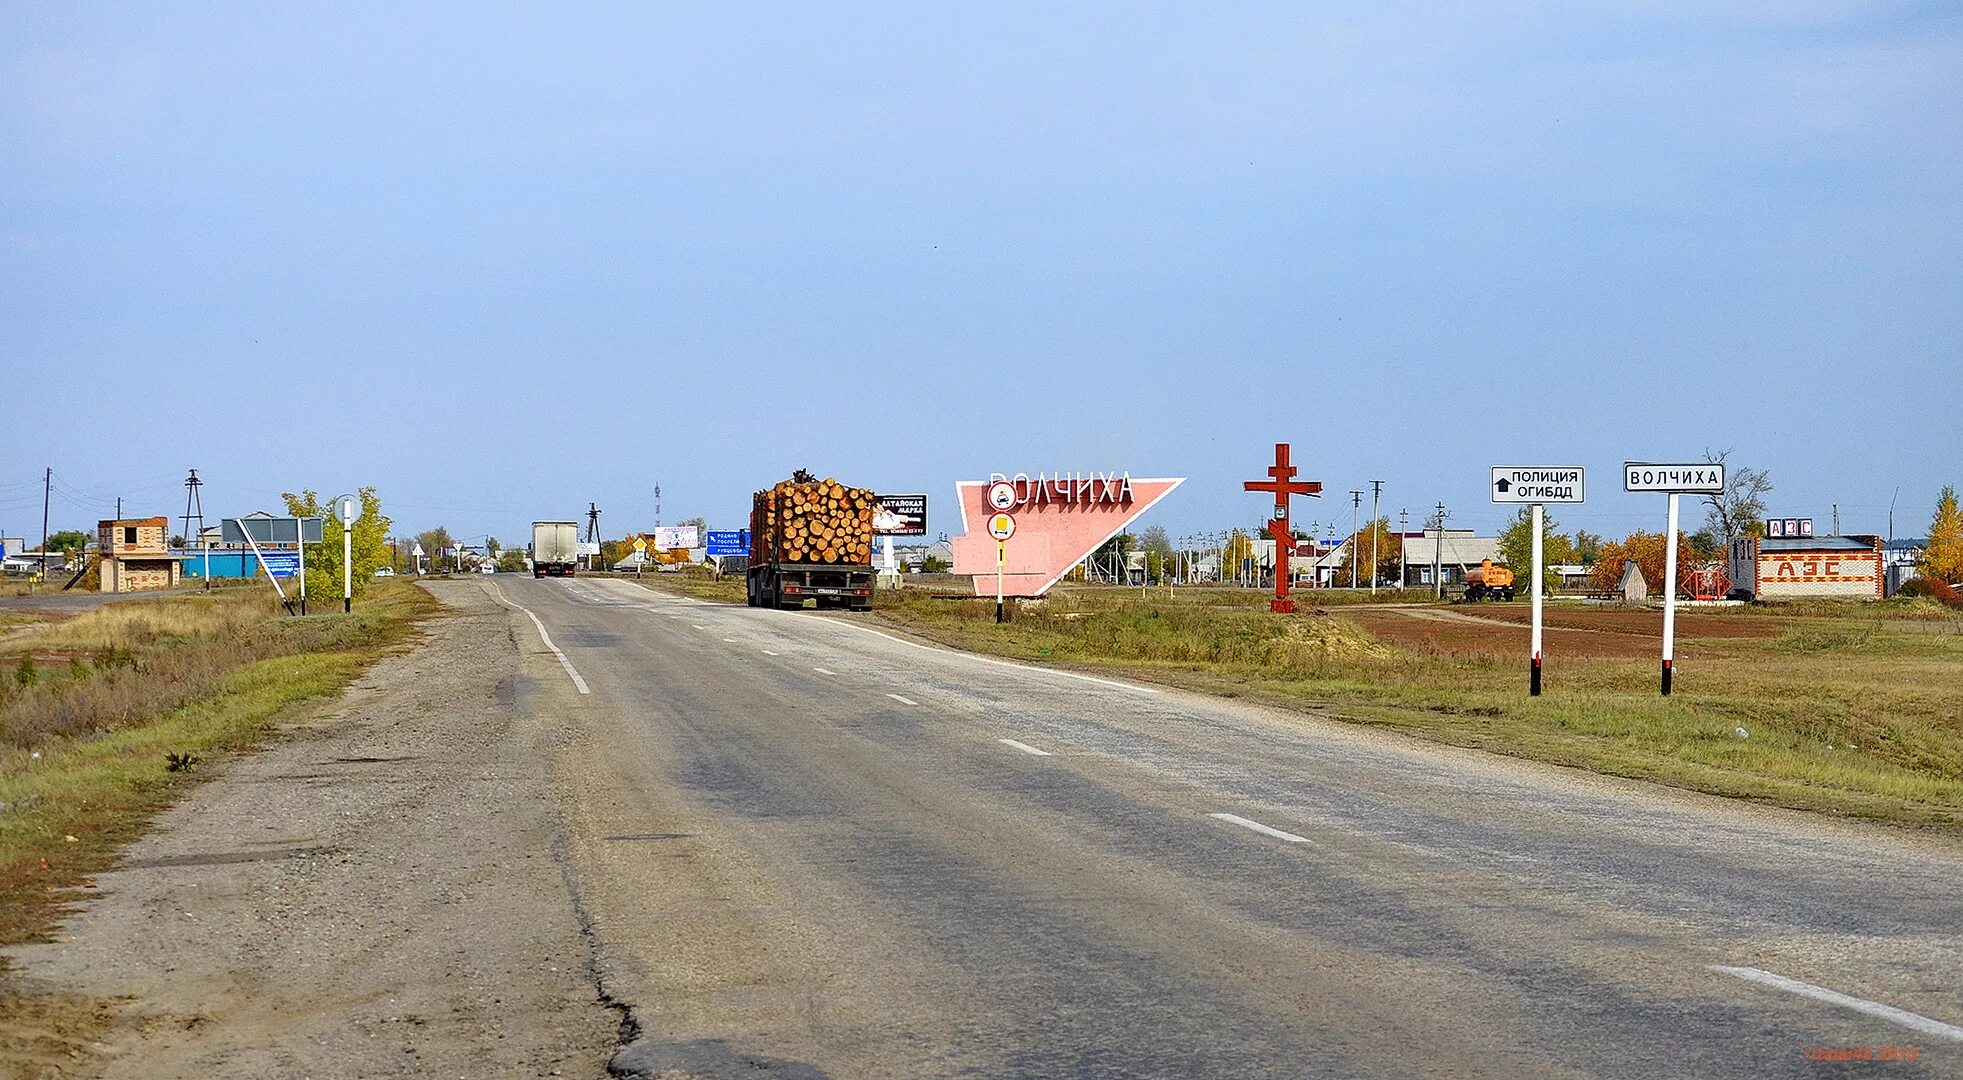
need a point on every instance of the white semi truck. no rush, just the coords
(555, 548)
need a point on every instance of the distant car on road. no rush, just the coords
(486, 568)
(384, 571)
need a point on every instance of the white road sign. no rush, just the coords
(1001, 495)
(1700, 478)
(1537, 484)
(1001, 526)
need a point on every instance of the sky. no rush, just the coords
(503, 261)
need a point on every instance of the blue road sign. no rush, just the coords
(729, 543)
(282, 563)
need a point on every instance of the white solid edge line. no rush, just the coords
(1264, 830)
(987, 659)
(1024, 747)
(903, 700)
(1912, 1021)
(578, 682)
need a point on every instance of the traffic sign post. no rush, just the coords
(1001, 526)
(1537, 485)
(344, 509)
(641, 555)
(1001, 495)
(1696, 478)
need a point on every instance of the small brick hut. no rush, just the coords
(136, 556)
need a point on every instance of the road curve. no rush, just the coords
(810, 847)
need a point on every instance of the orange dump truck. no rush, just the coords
(1489, 581)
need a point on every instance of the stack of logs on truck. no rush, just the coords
(811, 539)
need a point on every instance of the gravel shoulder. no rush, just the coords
(382, 892)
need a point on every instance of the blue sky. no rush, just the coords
(504, 264)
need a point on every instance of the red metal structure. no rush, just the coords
(1283, 483)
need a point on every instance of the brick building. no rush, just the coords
(136, 555)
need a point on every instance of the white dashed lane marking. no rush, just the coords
(903, 700)
(1264, 830)
(1024, 747)
(1909, 1020)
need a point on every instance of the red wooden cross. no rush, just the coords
(1283, 483)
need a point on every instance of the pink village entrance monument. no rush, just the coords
(1060, 518)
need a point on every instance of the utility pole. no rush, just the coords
(119, 508)
(1356, 504)
(193, 506)
(657, 506)
(1376, 492)
(47, 489)
(1437, 553)
(593, 534)
(1403, 526)
(1836, 519)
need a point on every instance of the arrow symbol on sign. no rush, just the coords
(1502, 485)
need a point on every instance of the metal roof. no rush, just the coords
(1813, 543)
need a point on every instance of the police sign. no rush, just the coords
(1537, 484)
(1701, 478)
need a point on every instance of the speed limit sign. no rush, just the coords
(1002, 526)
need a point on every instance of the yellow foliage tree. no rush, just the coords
(1648, 550)
(1943, 561)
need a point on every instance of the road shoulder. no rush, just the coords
(382, 892)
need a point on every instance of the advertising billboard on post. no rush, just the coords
(670, 537)
(899, 515)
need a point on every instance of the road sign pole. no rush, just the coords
(1533, 679)
(1669, 593)
(1001, 558)
(300, 538)
(347, 556)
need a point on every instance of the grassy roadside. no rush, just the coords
(124, 702)
(1852, 709)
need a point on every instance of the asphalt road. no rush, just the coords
(808, 847)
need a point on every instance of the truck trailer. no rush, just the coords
(555, 548)
(811, 539)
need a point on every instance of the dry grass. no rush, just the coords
(88, 750)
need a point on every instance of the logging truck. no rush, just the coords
(1487, 580)
(811, 539)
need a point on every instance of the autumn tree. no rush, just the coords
(1387, 546)
(1517, 549)
(1738, 510)
(1587, 546)
(1647, 550)
(370, 540)
(1943, 560)
(433, 541)
(1239, 549)
(1155, 540)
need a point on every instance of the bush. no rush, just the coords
(1934, 590)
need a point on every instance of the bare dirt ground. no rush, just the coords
(383, 893)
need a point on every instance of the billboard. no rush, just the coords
(270, 530)
(669, 537)
(1059, 520)
(899, 515)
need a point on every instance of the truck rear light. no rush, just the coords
(792, 588)
(861, 592)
